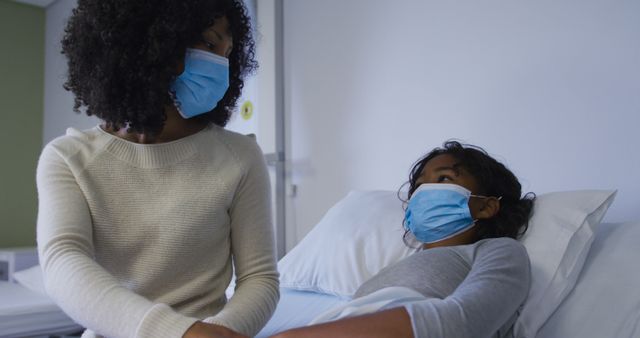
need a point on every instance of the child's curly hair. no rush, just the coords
(494, 179)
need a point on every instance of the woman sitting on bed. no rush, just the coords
(466, 209)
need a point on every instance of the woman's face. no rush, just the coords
(217, 38)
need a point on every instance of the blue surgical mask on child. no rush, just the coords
(438, 211)
(203, 83)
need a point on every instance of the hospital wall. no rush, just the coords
(550, 88)
(21, 88)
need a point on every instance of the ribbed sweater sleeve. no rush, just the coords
(488, 297)
(257, 286)
(81, 287)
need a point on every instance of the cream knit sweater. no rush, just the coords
(141, 240)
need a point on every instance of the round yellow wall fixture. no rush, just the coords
(246, 111)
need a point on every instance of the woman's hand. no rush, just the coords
(205, 330)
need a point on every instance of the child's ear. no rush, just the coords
(489, 208)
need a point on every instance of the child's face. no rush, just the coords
(446, 169)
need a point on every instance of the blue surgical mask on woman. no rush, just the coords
(438, 211)
(203, 83)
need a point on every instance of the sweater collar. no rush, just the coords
(154, 155)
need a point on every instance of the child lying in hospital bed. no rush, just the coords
(466, 209)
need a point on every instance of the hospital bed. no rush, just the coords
(29, 313)
(585, 274)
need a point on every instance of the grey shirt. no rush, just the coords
(472, 290)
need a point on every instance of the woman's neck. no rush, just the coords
(175, 127)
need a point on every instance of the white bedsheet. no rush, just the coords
(298, 308)
(27, 313)
(386, 298)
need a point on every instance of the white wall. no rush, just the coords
(551, 88)
(265, 53)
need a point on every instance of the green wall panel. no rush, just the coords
(22, 30)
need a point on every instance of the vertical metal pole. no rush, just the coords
(280, 131)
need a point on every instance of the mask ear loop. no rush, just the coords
(475, 221)
(480, 196)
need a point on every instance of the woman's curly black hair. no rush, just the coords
(493, 179)
(123, 56)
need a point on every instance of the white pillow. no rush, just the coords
(363, 232)
(355, 239)
(559, 237)
(604, 301)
